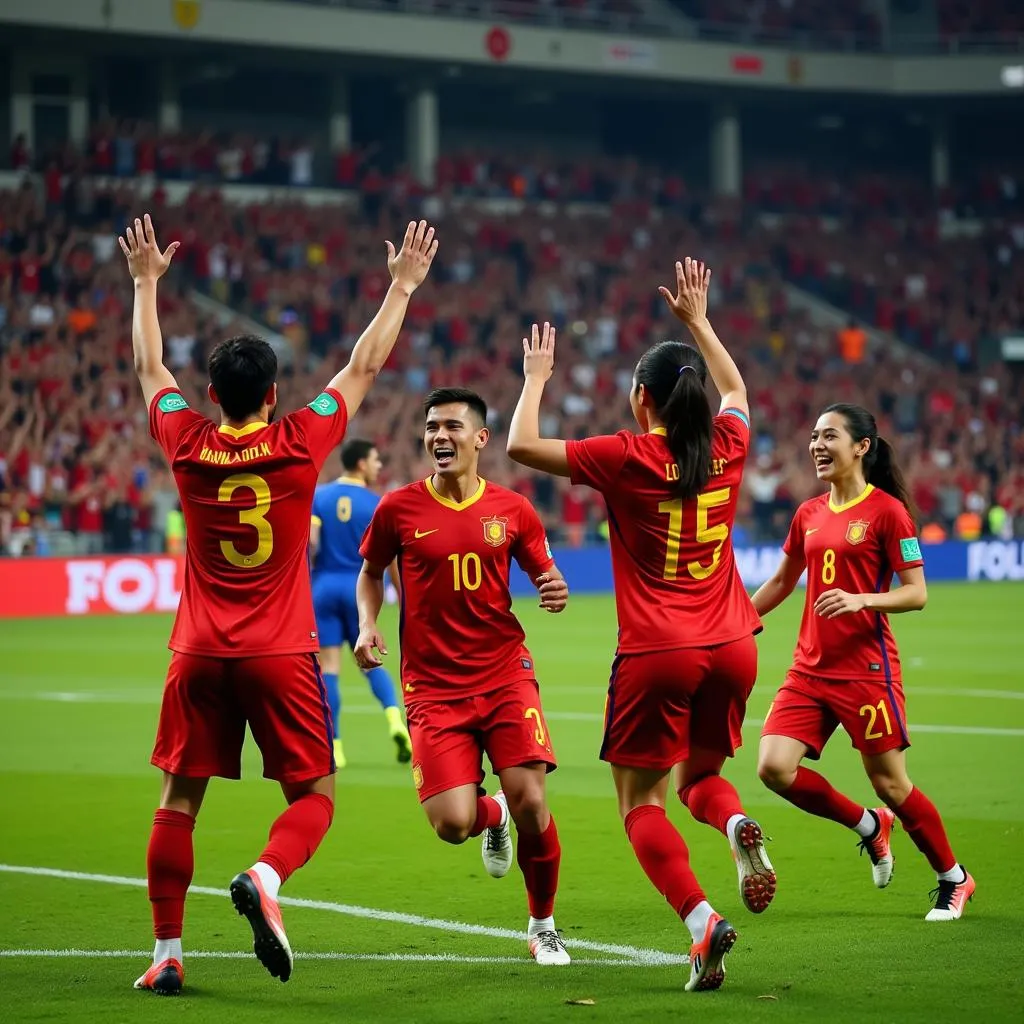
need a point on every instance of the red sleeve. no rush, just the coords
(794, 542)
(902, 547)
(169, 419)
(597, 461)
(322, 424)
(732, 428)
(531, 549)
(380, 544)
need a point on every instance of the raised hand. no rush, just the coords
(408, 267)
(690, 303)
(145, 260)
(539, 352)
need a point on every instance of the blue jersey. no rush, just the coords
(343, 509)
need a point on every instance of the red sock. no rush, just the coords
(813, 793)
(297, 833)
(923, 823)
(712, 800)
(539, 857)
(169, 866)
(664, 857)
(488, 814)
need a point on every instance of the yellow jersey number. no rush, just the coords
(255, 517)
(467, 573)
(344, 509)
(828, 567)
(716, 535)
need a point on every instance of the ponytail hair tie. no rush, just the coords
(683, 369)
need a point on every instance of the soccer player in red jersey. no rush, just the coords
(686, 658)
(244, 639)
(469, 681)
(846, 670)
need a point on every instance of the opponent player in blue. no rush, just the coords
(341, 512)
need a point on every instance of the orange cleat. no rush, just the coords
(878, 848)
(270, 944)
(951, 898)
(164, 979)
(707, 957)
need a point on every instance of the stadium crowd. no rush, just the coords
(76, 460)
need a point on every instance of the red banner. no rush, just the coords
(123, 585)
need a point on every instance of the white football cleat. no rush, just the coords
(951, 898)
(756, 874)
(497, 845)
(548, 949)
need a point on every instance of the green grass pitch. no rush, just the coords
(78, 707)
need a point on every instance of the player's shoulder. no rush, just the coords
(407, 494)
(812, 506)
(497, 497)
(887, 505)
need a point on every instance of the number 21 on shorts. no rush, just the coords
(872, 712)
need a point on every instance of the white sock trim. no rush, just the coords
(955, 874)
(503, 803)
(697, 920)
(867, 825)
(540, 924)
(167, 949)
(269, 878)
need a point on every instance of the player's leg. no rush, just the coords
(285, 701)
(380, 681)
(200, 734)
(923, 823)
(717, 709)
(539, 854)
(330, 626)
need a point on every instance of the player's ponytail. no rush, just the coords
(673, 374)
(881, 467)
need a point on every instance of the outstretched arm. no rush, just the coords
(690, 304)
(525, 445)
(147, 264)
(774, 591)
(408, 268)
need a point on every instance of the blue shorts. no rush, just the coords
(334, 601)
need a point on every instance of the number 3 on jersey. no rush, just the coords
(255, 517)
(716, 535)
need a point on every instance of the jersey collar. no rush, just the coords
(660, 431)
(236, 432)
(350, 480)
(855, 501)
(457, 506)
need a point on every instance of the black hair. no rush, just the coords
(673, 373)
(457, 396)
(242, 369)
(881, 467)
(354, 451)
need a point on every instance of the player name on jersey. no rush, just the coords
(222, 458)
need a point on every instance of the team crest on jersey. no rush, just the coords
(857, 531)
(494, 530)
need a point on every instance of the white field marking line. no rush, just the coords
(427, 958)
(649, 957)
(118, 697)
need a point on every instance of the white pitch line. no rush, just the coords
(430, 958)
(649, 957)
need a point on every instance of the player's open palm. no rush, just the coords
(146, 262)
(690, 302)
(539, 352)
(369, 648)
(408, 267)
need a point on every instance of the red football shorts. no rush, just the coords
(450, 737)
(662, 702)
(207, 703)
(808, 709)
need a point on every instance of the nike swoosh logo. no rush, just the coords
(814, 529)
(425, 533)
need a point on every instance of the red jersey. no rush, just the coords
(676, 581)
(459, 636)
(246, 495)
(856, 547)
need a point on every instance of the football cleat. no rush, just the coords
(878, 848)
(270, 944)
(548, 949)
(497, 845)
(164, 978)
(707, 957)
(403, 743)
(756, 875)
(951, 898)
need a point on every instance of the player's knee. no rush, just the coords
(452, 831)
(892, 790)
(529, 809)
(776, 774)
